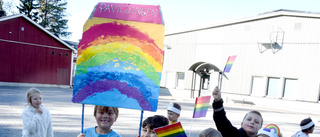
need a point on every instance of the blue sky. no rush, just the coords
(184, 13)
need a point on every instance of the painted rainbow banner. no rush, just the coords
(120, 57)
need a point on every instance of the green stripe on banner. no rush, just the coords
(202, 108)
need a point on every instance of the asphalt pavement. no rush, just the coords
(66, 116)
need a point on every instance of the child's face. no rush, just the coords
(105, 118)
(147, 132)
(36, 100)
(173, 117)
(251, 123)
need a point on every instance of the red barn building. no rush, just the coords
(29, 54)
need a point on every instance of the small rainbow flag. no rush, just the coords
(173, 130)
(201, 106)
(229, 64)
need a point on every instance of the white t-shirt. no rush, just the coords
(300, 134)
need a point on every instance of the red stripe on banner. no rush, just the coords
(204, 99)
(168, 128)
(232, 58)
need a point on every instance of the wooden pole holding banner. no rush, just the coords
(82, 118)
(141, 117)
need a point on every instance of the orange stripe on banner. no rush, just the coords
(168, 128)
(171, 133)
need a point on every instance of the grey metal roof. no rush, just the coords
(271, 14)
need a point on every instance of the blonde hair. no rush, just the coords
(31, 92)
(210, 132)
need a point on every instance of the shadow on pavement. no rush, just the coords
(164, 92)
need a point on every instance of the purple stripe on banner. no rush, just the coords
(227, 69)
(183, 135)
(197, 114)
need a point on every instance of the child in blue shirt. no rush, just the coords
(105, 117)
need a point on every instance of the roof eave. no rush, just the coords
(40, 27)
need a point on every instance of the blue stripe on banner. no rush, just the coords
(198, 114)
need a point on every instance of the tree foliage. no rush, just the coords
(1, 8)
(8, 7)
(29, 8)
(50, 14)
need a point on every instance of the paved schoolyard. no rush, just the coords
(66, 115)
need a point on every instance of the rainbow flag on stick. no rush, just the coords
(201, 106)
(229, 64)
(173, 130)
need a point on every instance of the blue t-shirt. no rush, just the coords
(91, 132)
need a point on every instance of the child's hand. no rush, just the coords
(81, 135)
(216, 94)
(39, 110)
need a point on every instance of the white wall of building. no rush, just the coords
(294, 68)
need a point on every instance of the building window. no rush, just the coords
(258, 86)
(52, 52)
(247, 28)
(180, 79)
(67, 54)
(290, 88)
(273, 87)
(297, 26)
(181, 75)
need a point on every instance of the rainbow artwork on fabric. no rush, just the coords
(201, 106)
(273, 128)
(229, 63)
(270, 130)
(120, 57)
(173, 130)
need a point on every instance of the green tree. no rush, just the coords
(1, 8)
(29, 8)
(9, 7)
(50, 14)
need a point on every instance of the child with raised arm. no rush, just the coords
(36, 118)
(151, 123)
(174, 110)
(105, 117)
(250, 125)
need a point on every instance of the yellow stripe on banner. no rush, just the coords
(171, 132)
(202, 105)
(230, 62)
(115, 47)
